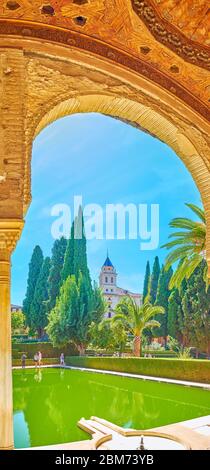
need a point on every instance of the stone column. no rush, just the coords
(10, 231)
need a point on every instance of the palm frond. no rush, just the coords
(177, 254)
(197, 233)
(188, 245)
(193, 264)
(152, 311)
(182, 222)
(179, 234)
(152, 324)
(179, 241)
(198, 211)
(184, 270)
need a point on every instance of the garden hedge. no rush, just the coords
(47, 350)
(30, 362)
(157, 353)
(191, 369)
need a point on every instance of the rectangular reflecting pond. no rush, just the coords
(48, 403)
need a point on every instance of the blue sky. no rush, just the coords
(105, 161)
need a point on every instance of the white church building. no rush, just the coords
(112, 293)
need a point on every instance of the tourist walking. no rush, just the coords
(62, 360)
(39, 358)
(23, 360)
(36, 359)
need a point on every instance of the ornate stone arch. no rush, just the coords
(147, 119)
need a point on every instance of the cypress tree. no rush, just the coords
(34, 270)
(99, 304)
(80, 248)
(196, 308)
(174, 314)
(68, 266)
(63, 317)
(57, 264)
(146, 281)
(154, 280)
(75, 261)
(76, 308)
(39, 308)
(163, 293)
(78, 304)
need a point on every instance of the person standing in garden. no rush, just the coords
(62, 360)
(23, 360)
(39, 358)
(36, 359)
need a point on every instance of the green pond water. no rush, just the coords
(49, 402)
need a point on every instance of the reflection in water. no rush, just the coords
(38, 375)
(21, 431)
(48, 404)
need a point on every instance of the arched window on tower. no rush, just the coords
(106, 279)
(112, 280)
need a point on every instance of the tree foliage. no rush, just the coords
(77, 306)
(188, 246)
(196, 309)
(57, 262)
(162, 297)
(108, 335)
(18, 321)
(137, 318)
(68, 265)
(39, 308)
(175, 315)
(146, 281)
(35, 266)
(154, 281)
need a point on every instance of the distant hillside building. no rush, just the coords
(112, 293)
(16, 308)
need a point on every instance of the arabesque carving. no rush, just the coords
(171, 36)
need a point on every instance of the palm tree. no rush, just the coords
(137, 318)
(189, 244)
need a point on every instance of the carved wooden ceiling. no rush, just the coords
(165, 40)
(192, 17)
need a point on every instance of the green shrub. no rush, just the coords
(190, 369)
(160, 353)
(47, 350)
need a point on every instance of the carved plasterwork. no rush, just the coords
(57, 88)
(113, 30)
(191, 17)
(10, 232)
(159, 20)
(53, 82)
(107, 61)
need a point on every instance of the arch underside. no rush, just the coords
(144, 118)
(137, 114)
(55, 81)
(65, 82)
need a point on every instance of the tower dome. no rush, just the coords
(108, 276)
